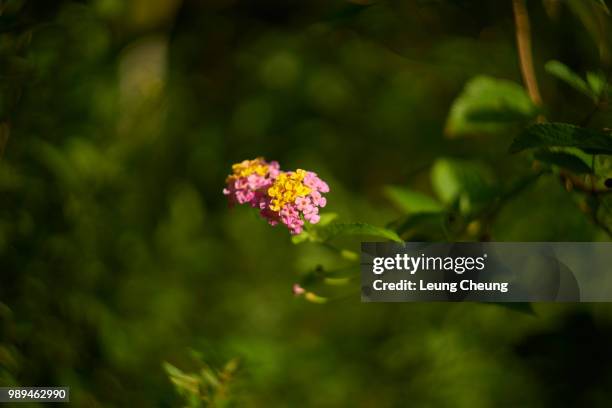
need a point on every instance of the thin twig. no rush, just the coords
(523, 41)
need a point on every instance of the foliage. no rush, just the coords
(489, 105)
(206, 388)
(119, 122)
(563, 135)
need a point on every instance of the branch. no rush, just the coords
(523, 40)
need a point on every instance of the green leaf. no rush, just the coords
(356, 228)
(171, 370)
(411, 201)
(564, 73)
(180, 380)
(467, 183)
(597, 83)
(210, 377)
(593, 87)
(303, 236)
(564, 159)
(326, 218)
(603, 166)
(310, 233)
(563, 135)
(488, 105)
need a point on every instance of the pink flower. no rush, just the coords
(311, 180)
(249, 182)
(290, 216)
(291, 198)
(298, 290)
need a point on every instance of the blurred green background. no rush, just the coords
(119, 123)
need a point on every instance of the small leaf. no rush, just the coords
(356, 228)
(563, 135)
(310, 234)
(349, 255)
(210, 377)
(314, 298)
(231, 367)
(172, 370)
(597, 83)
(467, 182)
(326, 219)
(336, 281)
(603, 169)
(488, 105)
(411, 201)
(565, 160)
(564, 73)
(301, 237)
(181, 380)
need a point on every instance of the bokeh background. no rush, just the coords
(118, 252)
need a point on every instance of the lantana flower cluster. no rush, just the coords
(282, 197)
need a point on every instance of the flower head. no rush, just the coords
(290, 198)
(287, 188)
(297, 197)
(249, 180)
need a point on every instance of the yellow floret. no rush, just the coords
(287, 188)
(248, 167)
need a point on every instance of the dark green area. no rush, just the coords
(126, 277)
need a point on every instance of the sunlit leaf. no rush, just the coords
(310, 233)
(603, 166)
(593, 87)
(210, 377)
(411, 201)
(467, 182)
(597, 83)
(488, 105)
(304, 236)
(326, 219)
(172, 370)
(564, 73)
(357, 228)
